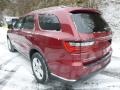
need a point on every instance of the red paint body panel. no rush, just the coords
(50, 44)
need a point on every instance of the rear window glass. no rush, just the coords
(89, 22)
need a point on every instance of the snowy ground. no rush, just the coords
(15, 72)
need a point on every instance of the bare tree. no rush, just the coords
(20, 7)
(3, 4)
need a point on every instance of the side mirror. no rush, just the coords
(10, 26)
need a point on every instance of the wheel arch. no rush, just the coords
(34, 50)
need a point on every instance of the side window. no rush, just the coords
(28, 22)
(49, 22)
(19, 23)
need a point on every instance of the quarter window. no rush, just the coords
(49, 22)
(28, 22)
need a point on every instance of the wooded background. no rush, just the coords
(20, 7)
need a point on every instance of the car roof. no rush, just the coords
(61, 9)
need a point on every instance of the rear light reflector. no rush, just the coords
(76, 64)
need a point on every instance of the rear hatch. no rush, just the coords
(95, 35)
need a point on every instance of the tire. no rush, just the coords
(10, 46)
(39, 68)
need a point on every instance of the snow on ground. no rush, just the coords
(99, 82)
(116, 48)
(3, 32)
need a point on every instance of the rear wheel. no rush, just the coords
(10, 46)
(39, 68)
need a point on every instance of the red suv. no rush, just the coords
(67, 42)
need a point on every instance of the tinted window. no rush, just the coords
(19, 23)
(49, 22)
(89, 22)
(14, 21)
(28, 22)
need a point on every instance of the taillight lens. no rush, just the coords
(76, 46)
(81, 44)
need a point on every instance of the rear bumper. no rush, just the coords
(85, 71)
(96, 67)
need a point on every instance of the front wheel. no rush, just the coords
(39, 68)
(10, 46)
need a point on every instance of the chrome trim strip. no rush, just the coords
(72, 80)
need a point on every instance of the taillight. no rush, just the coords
(76, 46)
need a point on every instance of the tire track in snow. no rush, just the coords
(10, 73)
(7, 77)
(111, 74)
(116, 58)
(8, 61)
